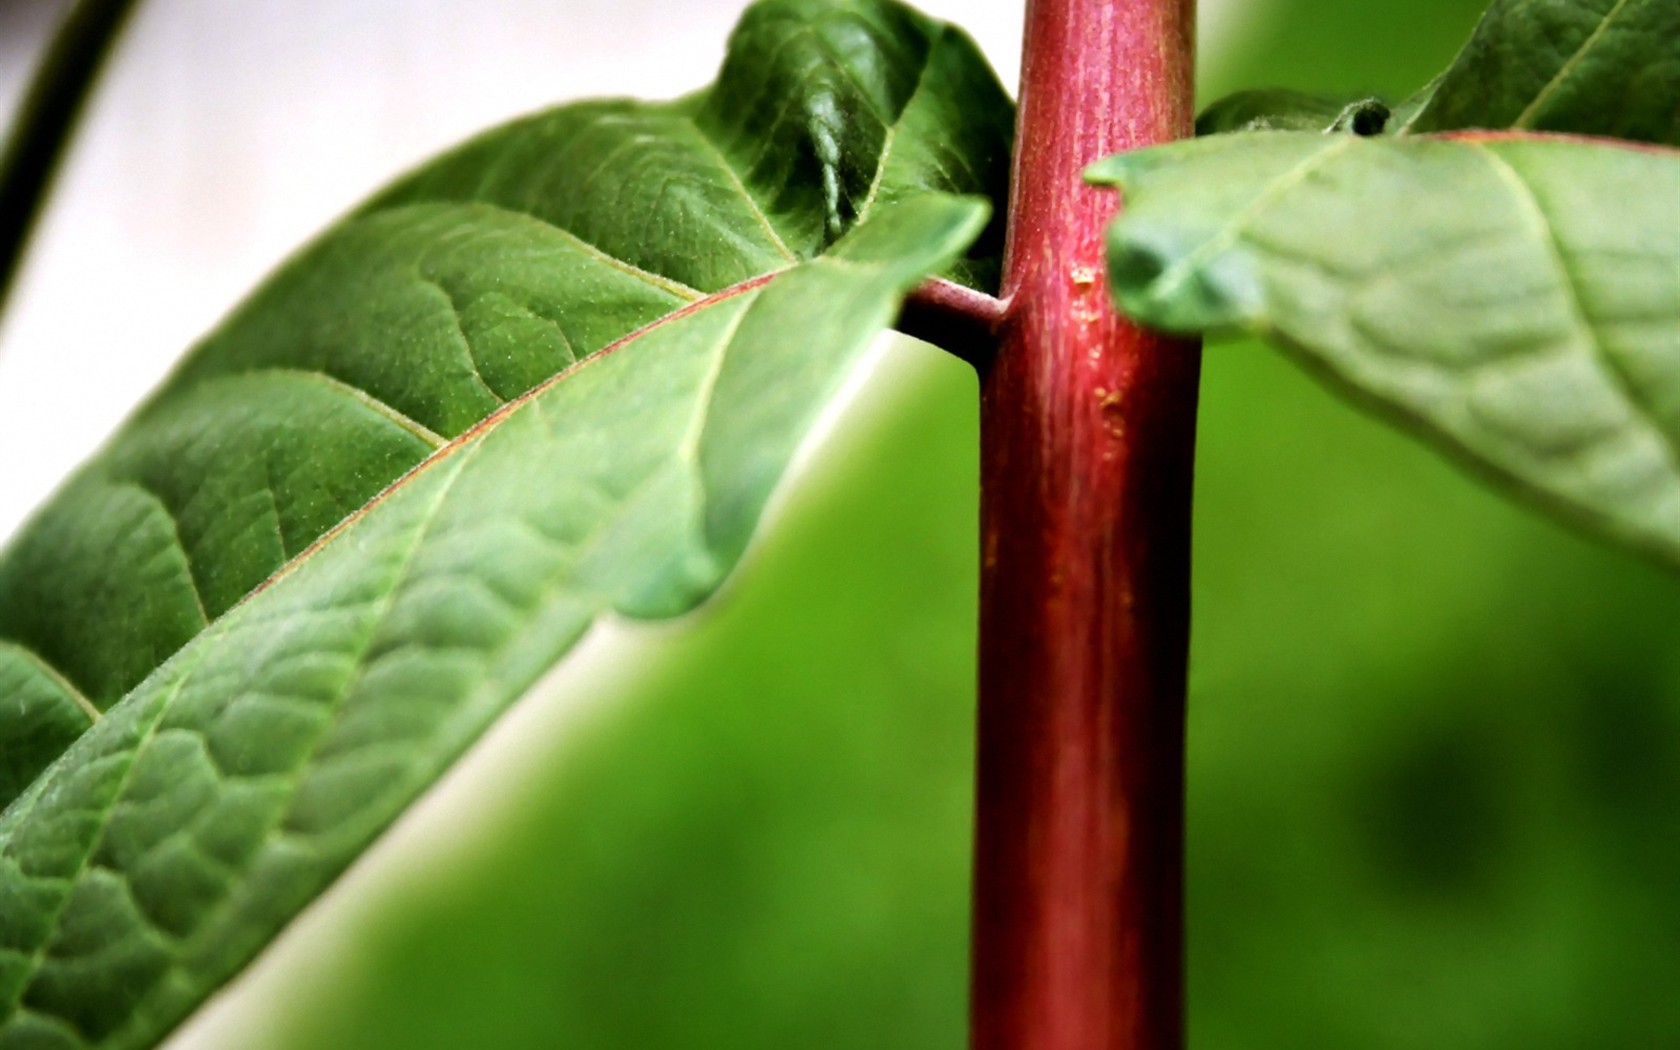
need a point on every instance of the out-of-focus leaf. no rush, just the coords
(1594, 67)
(1515, 298)
(1406, 112)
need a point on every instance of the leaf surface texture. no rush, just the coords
(1517, 299)
(404, 477)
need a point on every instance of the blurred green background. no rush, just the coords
(1434, 752)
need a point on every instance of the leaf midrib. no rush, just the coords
(1542, 224)
(495, 419)
(383, 605)
(891, 138)
(1531, 111)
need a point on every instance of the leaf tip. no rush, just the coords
(936, 225)
(1110, 171)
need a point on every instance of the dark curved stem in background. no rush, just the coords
(1087, 435)
(45, 121)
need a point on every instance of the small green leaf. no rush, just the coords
(1279, 109)
(1592, 67)
(1515, 298)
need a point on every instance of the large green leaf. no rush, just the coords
(1516, 298)
(404, 478)
(1599, 67)
(175, 837)
(460, 288)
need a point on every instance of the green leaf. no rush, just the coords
(457, 290)
(201, 812)
(1280, 109)
(1514, 298)
(1593, 67)
(404, 477)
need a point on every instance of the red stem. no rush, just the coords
(955, 318)
(1088, 428)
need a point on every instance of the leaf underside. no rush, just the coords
(1515, 298)
(235, 646)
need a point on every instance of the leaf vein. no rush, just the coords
(468, 353)
(1571, 290)
(1532, 110)
(746, 195)
(1169, 280)
(175, 531)
(891, 138)
(148, 732)
(367, 399)
(58, 678)
(384, 604)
